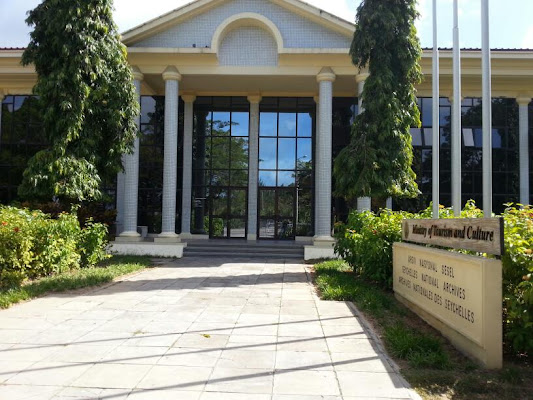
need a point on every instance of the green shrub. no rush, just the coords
(92, 243)
(33, 244)
(518, 278)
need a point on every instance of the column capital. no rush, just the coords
(316, 98)
(188, 97)
(326, 74)
(361, 77)
(137, 74)
(3, 94)
(254, 98)
(171, 73)
(522, 100)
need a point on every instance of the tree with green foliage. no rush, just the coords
(86, 95)
(377, 161)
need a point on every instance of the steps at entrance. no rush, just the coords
(244, 249)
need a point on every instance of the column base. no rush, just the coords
(364, 204)
(167, 237)
(251, 237)
(322, 248)
(186, 235)
(128, 237)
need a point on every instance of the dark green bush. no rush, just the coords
(365, 242)
(33, 244)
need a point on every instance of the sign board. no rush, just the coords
(484, 235)
(460, 295)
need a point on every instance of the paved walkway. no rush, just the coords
(193, 329)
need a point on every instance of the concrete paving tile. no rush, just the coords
(308, 360)
(301, 343)
(34, 324)
(255, 329)
(103, 338)
(28, 392)
(363, 346)
(161, 326)
(112, 376)
(28, 352)
(80, 353)
(360, 363)
(56, 336)
(251, 343)
(190, 357)
(47, 373)
(371, 384)
(170, 394)
(9, 369)
(239, 380)
(152, 339)
(233, 396)
(306, 383)
(134, 355)
(301, 329)
(99, 314)
(176, 378)
(310, 397)
(352, 330)
(16, 336)
(77, 393)
(202, 341)
(258, 359)
(260, 309)
(215, 328)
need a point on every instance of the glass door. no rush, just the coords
(277, 213)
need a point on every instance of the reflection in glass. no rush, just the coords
(220, 150)
(286, 203)
(267, 228)
(267, 153)
(220, 202)
(305, 125)
(267, 202)
(239, 153)
(286, 154)
(147, 109)
(286, 178)
(267, 178)
(238, 202)
(303, 212)
(221, 123)
(239, 123)
(239, 177)
(305, 152)
(268, 124)
(237, 228)
(287, 124)
(285, 228)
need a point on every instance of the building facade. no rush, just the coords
(245, 103)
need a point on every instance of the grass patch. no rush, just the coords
(81, 278)
(430, 364)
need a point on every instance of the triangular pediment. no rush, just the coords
(293, 24)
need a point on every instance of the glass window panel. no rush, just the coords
(417, 136)
(19, 102)
(468, 137)
(220, 150)
(287, 124)
(267, 178)
(427, 111)
(496, 139)
(478, 137)
(239, 153)
(237, 228)
(267, 228)
(305, 125)
(267, 202)
(287, 154)
(221, 123)
(445, 137)
(285, 228)
(238, 202)
(305, 153)
(219, 227)
(239, 123)
(203, 123)
(268, 124)
(428, 136)
(219, 201)
(304, 213)
(267, 153)
(286, 178)
(305, 178)
(220, 178)
(239, 177)
(147, 109)
(286, 203)
(444, 116)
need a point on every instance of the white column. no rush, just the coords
(253, 166)
(127, 201)
(363, 203)
(486, 78)
(187, 165)
(523, 124)
(325, 80)
(317, 128)
(2, 96)
(171, 76)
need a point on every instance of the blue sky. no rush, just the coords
(511, 20)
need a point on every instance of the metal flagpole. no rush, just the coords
(456, 115)
(436, 123)
(487, 110)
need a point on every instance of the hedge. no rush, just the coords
(34, 244)
(365, 242)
